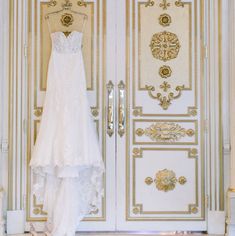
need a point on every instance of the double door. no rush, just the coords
(145, 74)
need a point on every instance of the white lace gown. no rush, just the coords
(66, 160)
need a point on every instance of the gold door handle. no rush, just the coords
(110, 111)
(121, 108)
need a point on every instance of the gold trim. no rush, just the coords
(138, 109)
(140, 130)
(232, 190)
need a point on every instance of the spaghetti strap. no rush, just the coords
(84, 23)
(48, 24)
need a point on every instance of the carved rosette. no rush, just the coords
(165, 46)
(166, 180)
(165, 20)
(67, 19)
(167, 132)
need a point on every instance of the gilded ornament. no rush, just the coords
(67, 19)
(165, 132)
(194, 210)
(165, 71)
(193, 152)
(52, 3)
(94, 112)
(136, 210)
(136, 151)
(165, 100)
(190, 132)
(165, 86)
(148, 180)
(165, 180)
(149, 3)
(164, 4)
(165, 46)
(82, 3)
(139, 132)
(136, 112)
(179, 3)
(165, 20)
(38, 112)
(193, 112)
(182, 180)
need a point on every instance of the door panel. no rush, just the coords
(163, 146)
(95, 53)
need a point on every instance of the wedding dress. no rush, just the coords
(66, 160)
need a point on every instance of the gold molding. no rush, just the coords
(138, 110)
(139, 130)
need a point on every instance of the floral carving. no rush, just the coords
(165, 71)
(165, 180)
(179, 3)
(166, 132)
(165, 20)
(165, 86)
(165, 46)
(67, 19)
(164, 4)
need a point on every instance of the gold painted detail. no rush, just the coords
(165, 86)
(165, 180)
(136, 210)
(82, 3)
(67, 20)
(193, 209)
(192, 111)
(149, 3)
(52, 3)
(164, 4)
(38, 112)
(165, 71)
(167, 132)
(165, 100)
(37, 208)
(165, 20)
(193, 152)
(148, 180)
(139, 132)
(179, 3)
(165, 46)
(94, 112)
(137, 152)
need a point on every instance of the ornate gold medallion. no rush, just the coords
(165, 46)
(165, 20)
(167, 132)
(165, 180)
(165, 71)
(164, 4)
(67, 19)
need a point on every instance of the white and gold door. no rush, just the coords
(145, 71)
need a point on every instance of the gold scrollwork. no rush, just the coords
(82, 3)
(165, 46)
(167, 132)
(137, 152)
(38, 112)
(52, 3)
(164, 4)
(67, 19)
(165, 71)
(165, 86)
(165, 100)
(179, 3)
(38, 207)
(165, 180)
(164, 20)
(139, 132)
(193, 152)
(149, 3)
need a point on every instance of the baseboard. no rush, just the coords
(15, 222)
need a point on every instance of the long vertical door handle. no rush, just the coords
(121, 108)
(110, 109)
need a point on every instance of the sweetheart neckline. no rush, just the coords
(73, 31)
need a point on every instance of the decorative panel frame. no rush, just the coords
(189, 107)
(39, 47)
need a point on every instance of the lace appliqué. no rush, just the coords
(66, 44)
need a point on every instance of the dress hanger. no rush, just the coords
(66, 7)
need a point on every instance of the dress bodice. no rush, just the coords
(66, 44)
